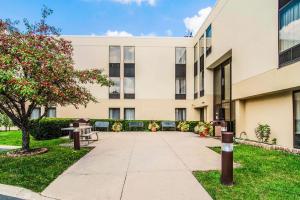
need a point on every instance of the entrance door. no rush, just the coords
(223, 106)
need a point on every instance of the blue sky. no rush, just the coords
(114, 17)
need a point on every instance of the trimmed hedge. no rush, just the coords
(50, 128)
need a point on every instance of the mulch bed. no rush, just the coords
(21, 153)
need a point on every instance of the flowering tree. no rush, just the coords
(37, 69)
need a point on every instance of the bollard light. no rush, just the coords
(76, 137)
(227, 158)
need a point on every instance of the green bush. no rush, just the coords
(49, 128)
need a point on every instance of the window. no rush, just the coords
(202, 115)
(297, 119)
(129, 55)
(129, 72)
(208, 40)
(51, 112)
(114, 54)
(114, 71)
(201, 61)
(129, 114)
(180, 55)
(180, 86)
(180, 73)
(36, 113)
(196, 54)
(114, 113)
(289, 32)
(223, 105)
(180, 114)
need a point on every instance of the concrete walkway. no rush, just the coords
(139, 166)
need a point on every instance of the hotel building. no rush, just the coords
(242, 67)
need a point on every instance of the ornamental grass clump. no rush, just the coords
(153, 126)
(183, 126)
(117, 127)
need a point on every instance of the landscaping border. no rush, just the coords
(267, 146)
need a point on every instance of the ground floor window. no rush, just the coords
(36, 113)
(180, 114)
(51, 112)
(129, 114)
(114, 113)
(297, 119)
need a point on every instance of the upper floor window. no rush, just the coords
(129, 54)
(196, 58)
(201, 63)
(180, 55)
(114, 54)
(180, 73)
(208, 34)
(289, 31)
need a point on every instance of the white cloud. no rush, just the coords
(118, 34)
(148, 35)
(194, 23)
(139, 2)
(169, 32)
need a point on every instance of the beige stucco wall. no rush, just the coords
(275, 110)
(154, 77)
(246, 31)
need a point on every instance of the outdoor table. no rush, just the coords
(82, 130)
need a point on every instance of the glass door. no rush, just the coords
(223, 106)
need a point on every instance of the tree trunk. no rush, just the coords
(25, 140)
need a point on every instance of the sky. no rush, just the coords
(114, 17)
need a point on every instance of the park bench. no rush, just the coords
(101, 125)
(135, 125)
(168, 125)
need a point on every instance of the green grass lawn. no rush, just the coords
(36, 172)
(264, 174)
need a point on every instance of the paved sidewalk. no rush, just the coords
(139, 166)
(8, 192)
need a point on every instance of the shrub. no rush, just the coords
(117, 126)
(204, 129)
(153, 126)
(49, 128)
(183, 126)
(263, 132)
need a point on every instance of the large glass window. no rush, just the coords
(51, 112)
(114, 113)
(180, 55)
(129, 114)
(180, 114)
(180, 73)
(289, 31)
(129, 72)
(114, 90)
(297, 119)
(222, 92)
(208, 34)
(36, 113)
